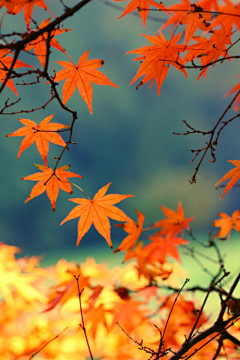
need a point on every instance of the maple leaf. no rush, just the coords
(234, 174)
(42, 134)
(218, 41)
(5, 64)
(67, 288)
(81, 76)
(39, 45)
(142, 6)
(229, 7)
(15, 6)
(150, 270)
(209, 50)
(96, 316)
(208, 4)
(50, 181)
(226, 224)
(129, 314)
(157, 58)
(184, 314)
(192, 16)
(175, 222)
(134, 230)
(96, 212)
(161, 247)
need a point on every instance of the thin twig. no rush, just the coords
(169, 315)
(82, 318)
(48, 342)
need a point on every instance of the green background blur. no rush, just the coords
(128, 140)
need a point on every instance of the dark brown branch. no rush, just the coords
(218, 328)
(9, 72)
(210, 145)
(82, 325)
(23, 111)
(201, 67)
(231, 338)
(229, 297)
(170, 312)
(212, 286)
(19, 45)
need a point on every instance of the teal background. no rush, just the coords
(128, 140)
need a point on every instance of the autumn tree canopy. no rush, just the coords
(145, 309)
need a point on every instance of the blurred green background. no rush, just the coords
(128, 140)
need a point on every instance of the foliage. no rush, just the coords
(122, 310)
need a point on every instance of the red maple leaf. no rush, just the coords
(15, 6)
(161, 247)
(157, 58)
(190, 14)
(5, 64)
(81, 76)
(210, 50)
(143, 7)
(228, 8)
(40, 44)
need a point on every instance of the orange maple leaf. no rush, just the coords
(226, 224)
(50, 181)
(157, 58)
(81, 76)
(217, 43)
(183, 317)
(5, 64)
(129, 314)
(175, 222)
(15, 6)
(39, 45)
(134, 230)
(142, 6)
(161, 247)
(234, 174)
(42, 134)
(145, 266)
(96, 212)
(95, 317)
(190, 14)
(67, 287)
(230, 7)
